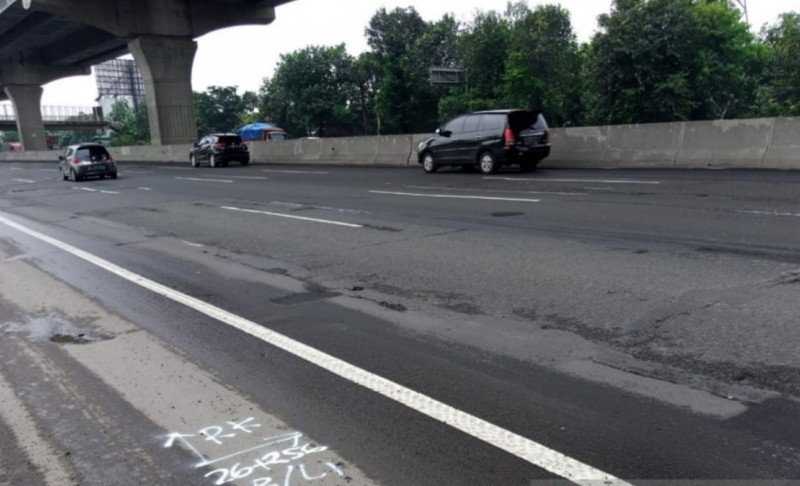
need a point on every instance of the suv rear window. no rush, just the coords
(230, 140)
(523, 121)
(92, 154)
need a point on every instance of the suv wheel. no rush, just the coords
(212, 161)
(488, 164)
(429, 164)
(193, 160)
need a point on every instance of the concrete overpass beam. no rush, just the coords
(166, 66)
(27, 101)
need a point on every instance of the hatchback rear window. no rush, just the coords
(92, 154)
(230, 140)
(277, 136)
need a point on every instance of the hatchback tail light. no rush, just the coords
(509, 137)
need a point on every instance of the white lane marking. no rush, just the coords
(522, 447)
(195, 245)
(291, 216)
(175, 168)
(25, 181)
(87, 189)
(771, 213)
(203, 179)
(145, 189)
(598, 181)
(249, 178)
(15, 168)
(109, 192)
(309, 172)
(548, 193)
(457, 196)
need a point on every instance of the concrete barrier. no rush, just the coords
(769, 143)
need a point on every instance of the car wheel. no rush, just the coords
(212, 161)
(488, 164)
(64, 175)
(429, 164)
(73, 176)
(193, 160)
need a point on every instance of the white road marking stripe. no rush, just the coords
(598, 181)
(457, 196)
(770, 213)
(195, 245)
(443, 188)
(25, 181)
(249, 178)
(87, 189)
(291, 216)
(310, 172)
(524, 448)
(145, 189)
(109, 192)
(199, 179)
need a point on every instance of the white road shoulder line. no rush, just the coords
(583, 181)
(25, 181)
(524, 448)
(203, 179)
(457, 196)
(291, 216)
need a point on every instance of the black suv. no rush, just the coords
(488, 140)
(219, 149)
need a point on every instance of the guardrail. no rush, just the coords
(58, 113)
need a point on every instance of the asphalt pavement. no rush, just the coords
(338, 325)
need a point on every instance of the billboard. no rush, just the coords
(120, 78)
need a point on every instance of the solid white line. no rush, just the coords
(457, 196)
(524, 448)
(198, 179)
(771, 213)
(598, 181)
(310, 172)
(109, 192)
(543, 193)
(25, 181)
(195, 245)
(290, 216)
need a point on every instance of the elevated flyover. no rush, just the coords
(59, 118)
(45, 40)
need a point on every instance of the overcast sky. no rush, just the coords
(243, 56)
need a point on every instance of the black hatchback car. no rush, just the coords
(488, 140)
(219, 150)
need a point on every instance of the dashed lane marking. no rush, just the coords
(287, 171)
(542, 193)
(291, 216)
(582, 181)
(203, 179)
(456, 196)
(24, 181)
(522, 447)
(785, 214)
(86, 189)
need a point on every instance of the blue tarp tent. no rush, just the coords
(256, 131)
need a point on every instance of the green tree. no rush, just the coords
(666, 60)
(311, 92)
(780, 94)
(543, 65)
(129, 126)
(222, 109)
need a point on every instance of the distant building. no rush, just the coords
(117, 80)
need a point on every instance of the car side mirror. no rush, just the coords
(444, 133)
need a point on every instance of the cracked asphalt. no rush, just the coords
(643, 322)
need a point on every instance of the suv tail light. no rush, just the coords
(509, 137)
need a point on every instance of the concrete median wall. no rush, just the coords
(769, 143)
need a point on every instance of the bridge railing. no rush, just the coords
(57, 113)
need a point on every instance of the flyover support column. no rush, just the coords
(27, 101)
(166, 66)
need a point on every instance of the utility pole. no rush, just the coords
(743, 5)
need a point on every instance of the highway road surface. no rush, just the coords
(275, 325)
